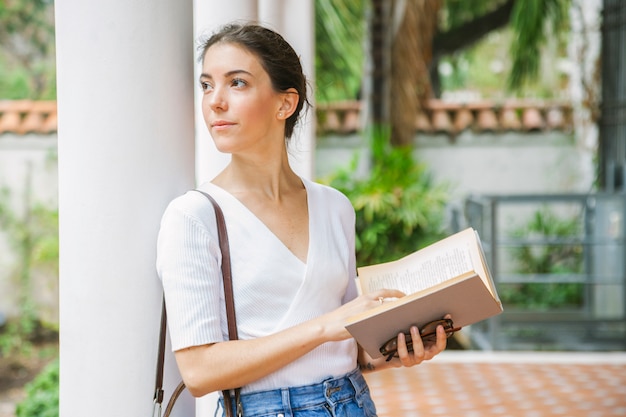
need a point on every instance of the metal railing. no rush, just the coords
(559, 265)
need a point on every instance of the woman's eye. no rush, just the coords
(238, 82)
(205, 86)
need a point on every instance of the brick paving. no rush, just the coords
(472, 384)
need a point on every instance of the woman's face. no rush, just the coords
(239, 105)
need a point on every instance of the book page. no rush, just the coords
(412, 274)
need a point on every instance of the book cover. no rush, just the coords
(447, 277)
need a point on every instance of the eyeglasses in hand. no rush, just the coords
(428, 332)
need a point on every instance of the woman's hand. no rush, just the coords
(421, 350)
(334, 322)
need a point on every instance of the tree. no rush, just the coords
(339, 33)
(27, 39)
(407, 39)
(430, 29)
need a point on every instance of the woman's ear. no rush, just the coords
(289, 103)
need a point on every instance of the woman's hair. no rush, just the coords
(277, 57)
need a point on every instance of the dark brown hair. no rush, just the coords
(275, 54)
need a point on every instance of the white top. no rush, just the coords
(273, 289)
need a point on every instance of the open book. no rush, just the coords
(447, 277)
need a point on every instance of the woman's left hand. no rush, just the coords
(422, 351)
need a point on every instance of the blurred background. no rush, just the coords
(431, 115)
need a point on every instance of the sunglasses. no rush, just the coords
(428, 332)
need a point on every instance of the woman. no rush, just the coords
(292, 251)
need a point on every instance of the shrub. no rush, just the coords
(33, 236)
(42, 394)
(398, 208)
(547, 260)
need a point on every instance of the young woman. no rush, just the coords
(292, 251)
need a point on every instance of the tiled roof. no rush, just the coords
(453, 118)
(27, 116)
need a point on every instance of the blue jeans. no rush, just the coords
(346, 396)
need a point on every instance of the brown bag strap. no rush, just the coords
(226, 268)
(230, 315)
(158, 389)
(228, 296)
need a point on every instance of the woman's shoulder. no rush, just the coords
(191, 205)
(327, 195)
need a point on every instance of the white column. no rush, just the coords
(210, 15)
(126, 145)
(295, 20)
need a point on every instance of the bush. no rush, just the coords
(548, 260)
(34, 237)
(42, 394)
(398, 208)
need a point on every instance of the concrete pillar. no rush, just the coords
(126, 143)
(295, 20)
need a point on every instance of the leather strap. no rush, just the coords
(230, 315)
(229, 298)
(222, 234)
(158, 389)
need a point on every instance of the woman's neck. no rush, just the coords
(267, 178)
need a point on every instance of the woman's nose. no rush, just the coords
(217, 99)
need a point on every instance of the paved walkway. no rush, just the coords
(484, 384)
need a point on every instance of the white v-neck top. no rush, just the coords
(273, 289)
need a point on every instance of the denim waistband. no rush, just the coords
(330, 391)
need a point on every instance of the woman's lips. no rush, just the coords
(221, 124)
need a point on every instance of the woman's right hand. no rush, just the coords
(334, 322)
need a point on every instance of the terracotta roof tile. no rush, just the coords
(28, 116)
(343, 118)
(441, 121)
(555, 118)
(422, 123)
(532, 120)
(509, 119)
(452, 118)
(486, 120)
(463, 119)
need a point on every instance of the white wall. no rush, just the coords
(507, 163)
(28, 171)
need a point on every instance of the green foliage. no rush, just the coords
(456, 13)
(398, 208)
(42, 394)
(530, 24)
(547, 258)
(15, 336)
(520, 58)
(339, 42)
(34, 237)
(27, 61)
(14, 84)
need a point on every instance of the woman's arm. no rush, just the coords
(232, 364)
